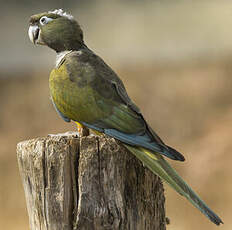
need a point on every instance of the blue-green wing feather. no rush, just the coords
(116, 115)
(140, 140)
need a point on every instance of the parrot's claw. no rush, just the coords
(82, 130)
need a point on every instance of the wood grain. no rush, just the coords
(88, 183)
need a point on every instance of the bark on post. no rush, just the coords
(91, 183)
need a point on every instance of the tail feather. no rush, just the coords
(158, 165)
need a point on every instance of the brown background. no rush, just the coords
(175, 58)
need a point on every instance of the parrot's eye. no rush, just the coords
(44, 20)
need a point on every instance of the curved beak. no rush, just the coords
(33, 33)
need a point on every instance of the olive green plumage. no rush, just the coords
(82, 94)
(68, 36)
(85, 89)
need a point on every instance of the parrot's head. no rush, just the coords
(56, 29)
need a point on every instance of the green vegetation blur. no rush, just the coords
(175, 58)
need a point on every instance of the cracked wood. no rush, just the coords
(91, 183)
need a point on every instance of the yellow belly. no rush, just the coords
(74, 102)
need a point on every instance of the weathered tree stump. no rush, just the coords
(88, 183)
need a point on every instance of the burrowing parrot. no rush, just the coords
(86, 90)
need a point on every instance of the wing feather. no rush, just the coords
(122, 118)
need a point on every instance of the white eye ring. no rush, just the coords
(44, 20)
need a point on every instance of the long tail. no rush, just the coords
(158, 165)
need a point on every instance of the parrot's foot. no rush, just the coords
(82, 130)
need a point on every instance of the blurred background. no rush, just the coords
(175, 58)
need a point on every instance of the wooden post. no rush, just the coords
(88, 183)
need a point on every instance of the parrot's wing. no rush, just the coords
(120, 117)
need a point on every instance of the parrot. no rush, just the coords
(85, 90)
